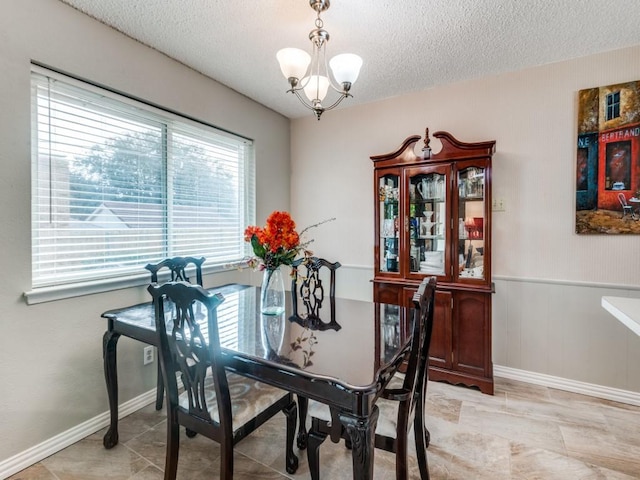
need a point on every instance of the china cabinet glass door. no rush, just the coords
(389, 226)
(427, 219)
(471, 222)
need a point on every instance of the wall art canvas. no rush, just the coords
(608, 160)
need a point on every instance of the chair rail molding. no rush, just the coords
(574, 283)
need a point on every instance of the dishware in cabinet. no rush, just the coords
(472, 259)
(428, 219)
(388, 211)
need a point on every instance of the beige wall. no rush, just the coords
(51, 354)
(532, 116)
(547, 316)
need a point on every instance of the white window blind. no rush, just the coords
(118, 184)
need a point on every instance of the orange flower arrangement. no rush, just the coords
(277, 243)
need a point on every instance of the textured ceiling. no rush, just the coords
(406, 45)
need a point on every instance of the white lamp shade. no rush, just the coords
(346, 67)
(316, 87)
(293, 62)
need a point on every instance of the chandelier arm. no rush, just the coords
(296, 92)
(342, 90)
(310, 106)
(300, 84)
(343, 95)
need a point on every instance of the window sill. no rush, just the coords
(60, 292)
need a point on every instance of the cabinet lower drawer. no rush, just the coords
(388, 293)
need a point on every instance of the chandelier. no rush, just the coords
(310, 73)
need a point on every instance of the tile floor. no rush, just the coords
(522, 432)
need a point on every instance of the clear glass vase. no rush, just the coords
(272, 293)
(273, 330)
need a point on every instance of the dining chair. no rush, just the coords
(177, 269)
(408, 401)
(220, 405)
(626, 208)
(307, 287)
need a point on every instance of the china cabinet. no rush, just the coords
(433, 217)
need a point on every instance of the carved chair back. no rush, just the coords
(308, 282)
(412, 395)
(224, 408)
(188, 346)
(416, 376)
(177, 267)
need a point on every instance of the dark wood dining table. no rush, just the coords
(346, 368)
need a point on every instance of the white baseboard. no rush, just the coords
(39, 452)
(574, 386)
(55, 444)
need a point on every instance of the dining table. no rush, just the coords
(345, 368)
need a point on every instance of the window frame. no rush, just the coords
(612, 105)
(68, 289)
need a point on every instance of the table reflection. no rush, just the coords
(349, 354)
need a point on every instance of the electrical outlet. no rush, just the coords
(498, 205)
(147, 355)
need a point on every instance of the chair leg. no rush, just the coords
(314, 440)
(173, 447)
(226, 459)
(159, 389)
(303, 406)
(402, 432)
(421, 453)
(291, 458)
(423, 438)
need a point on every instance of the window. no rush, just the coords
(613, 105)
(117, 184)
